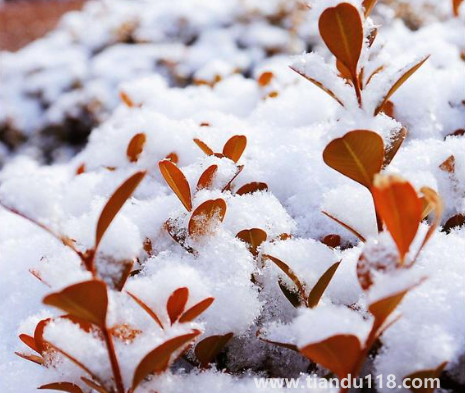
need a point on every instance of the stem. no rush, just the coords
(358, 90)
(113, 360)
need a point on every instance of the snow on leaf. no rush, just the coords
(206, 216)
(254, 237)
(206, 178)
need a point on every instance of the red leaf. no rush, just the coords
(115, 203)
(205, 218)
(265, 78)
(32, 358)
(368, 5)
(207, 349)
(177, 182)
(234, 147)
(197, 309)
(136, 147)
(86, 300)
(158, 360)
(177, 303)
(29, 341)
(250, 188)
(396, 143)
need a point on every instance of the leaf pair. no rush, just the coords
(316, 292)
(232, 149)
(175, 307)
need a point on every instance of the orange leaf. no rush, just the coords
(359, 155)
(147, 309)
(115, 203)
(206, 179)
(399, 206)
(250, 188)
(204, 147)
(317, 291)
(288, 271)
(173, 157)
(337, 353)
(382, 308)
(62, 387)
(253, 237)
(158, 360)
(207, 349)
(332, 240)
(135, 147)
(177, 303)
(396, 143)
(39, 333)
(86, 300)
(456, 6)
(126, 99)
(265, 78)
(342, 31)
(407, 74)
(427, 377)
(368, 6)
(197, 309)
(81, 169)
(205, 217)
(32, 358)
(234, 147)
(29, 341)
(177, 182)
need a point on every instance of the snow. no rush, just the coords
(192, 69)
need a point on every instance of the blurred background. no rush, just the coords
(22, 21)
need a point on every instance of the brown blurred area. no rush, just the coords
(23, 21)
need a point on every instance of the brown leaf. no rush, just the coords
(126, 99)
(177, 182)
(320, 85)
(93, 385)
(86, 300)
(120, 280)
(204, 147)
(338, 353)
(39, 333)
(291, 295)
(342, 31)
(206, 178)
(147, 309)
(234, 147)
(207, 349)
(158, 360)
(427, 377)
(346, 226)
(448, 165)
(368, 6)
(382, 308)
(206, 216)
(399, 206)
(29, 341)
(173, 157)
(265, 78)
(317, 291)
(407, 74)
(433, 199)
(453, 222)
(177, 303)
(62, 387)
(197, 309)
(136, 147)
(252, 187)
(115, 203)
(125, 332)
(288, 271)
(332, 240)
(80, 169)
(253, 237)
(359, 155)
(393, 148)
